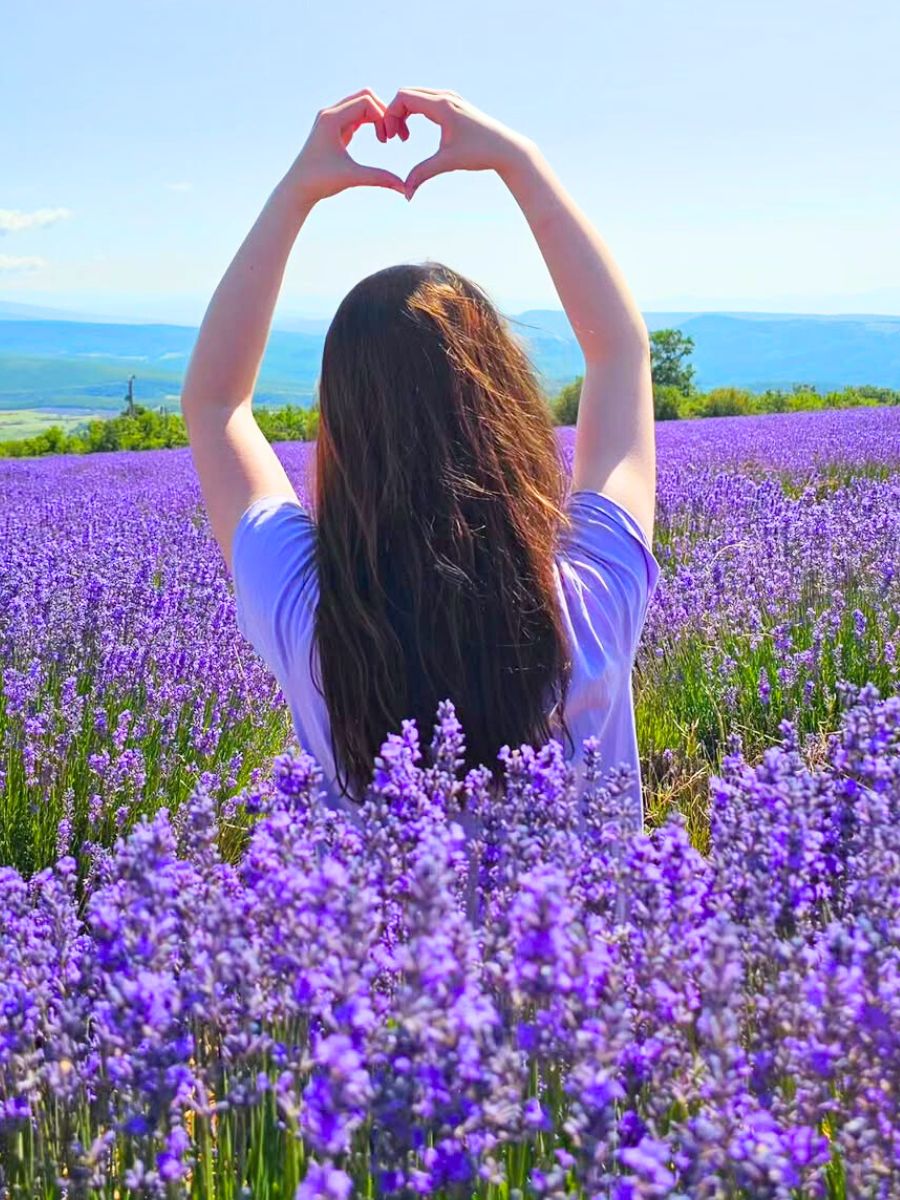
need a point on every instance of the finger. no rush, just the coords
(415, 100)
(395, 124)
(363, 109)
(410, 102)
(366, 91)
(347, 131)
(425, 170)
(342, 104)
(376, 177)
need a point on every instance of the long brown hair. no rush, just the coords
(439, 492)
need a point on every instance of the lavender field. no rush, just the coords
(210, 987)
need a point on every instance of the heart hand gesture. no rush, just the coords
(323, 167)
(470, 141)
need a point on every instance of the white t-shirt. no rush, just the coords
(606, 574)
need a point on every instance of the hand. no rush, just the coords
(470, 140)
(323, 167)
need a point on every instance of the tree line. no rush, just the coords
(152, 429)
(674, 396)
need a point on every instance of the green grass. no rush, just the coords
(681, 705)
(30, 810)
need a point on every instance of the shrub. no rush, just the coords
(565, 406)
(668, 402)
(727, 402)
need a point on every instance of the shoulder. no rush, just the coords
(270, 523)
(275, 584)
(608, 571)
(602, 526)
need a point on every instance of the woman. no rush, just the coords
(446, 557)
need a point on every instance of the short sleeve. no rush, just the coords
(616, 564)
(273, 558)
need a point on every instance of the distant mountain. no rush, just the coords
(752, 350)
(85, 365)
(82, 365)
(13, 311)
(757, 351)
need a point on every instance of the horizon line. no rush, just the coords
(46, 312)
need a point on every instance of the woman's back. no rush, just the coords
(606, 574)
(435, 448)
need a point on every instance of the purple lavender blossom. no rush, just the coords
(202, 971)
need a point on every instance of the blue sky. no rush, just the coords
(734, 155)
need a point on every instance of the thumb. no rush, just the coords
(425, 170)
(376, 177)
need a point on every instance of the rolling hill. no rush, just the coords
(74, 365)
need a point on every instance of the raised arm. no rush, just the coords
(615, 449)
(234, 461)
(614, 441)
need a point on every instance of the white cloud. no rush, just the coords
(181, 186)
(9, 262)
(14, 221)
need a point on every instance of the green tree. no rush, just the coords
(773, 400)
(879, 395)
(728, 402)
(565, 406)
(667, 403)
(669, 351)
